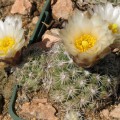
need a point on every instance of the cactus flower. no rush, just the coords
(87, 39)
(11, 37)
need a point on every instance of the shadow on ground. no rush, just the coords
(110, 65)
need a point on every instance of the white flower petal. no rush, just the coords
(1, 25)
(15, 21)
(108, 10)
(116, 13)
(110, 14)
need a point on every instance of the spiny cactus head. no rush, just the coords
(30, 72)
(73, 85)
(73, 115)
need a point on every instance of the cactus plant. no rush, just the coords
(29, 73)
(67, 84)
(72, 85)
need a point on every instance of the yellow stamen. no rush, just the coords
(85, 42)
(113, 28)
(6, 43)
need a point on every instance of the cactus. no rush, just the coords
(72, 85)
(73, 115)
(67, 84)
(29, 73)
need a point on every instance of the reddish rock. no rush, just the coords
(38, 109)
(51, 37)
(1, 117)
(36, 100)
(62, 9)
(21, 7)
(105, 114)
(115, 113)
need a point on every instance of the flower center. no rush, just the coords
(113, 28)
(5, 44)
(85, 42)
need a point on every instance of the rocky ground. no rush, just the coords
(28, 106)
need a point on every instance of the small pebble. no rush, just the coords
(36, 13)
(35, 20)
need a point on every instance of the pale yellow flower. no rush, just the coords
(11, 37)
(111, 15)
(86, 39)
